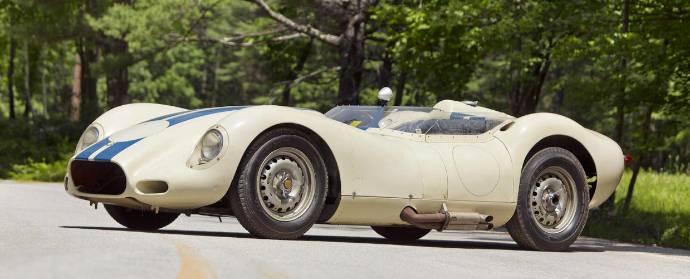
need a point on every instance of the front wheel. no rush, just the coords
(139, 219)
(552, 202)
(282, 187)
(401, 233)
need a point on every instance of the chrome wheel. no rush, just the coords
(286, 184)
(553, 200)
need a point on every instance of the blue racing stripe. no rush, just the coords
(166, 116)
(199, 113)
(116, 148)
(175, 118)
(84, 155)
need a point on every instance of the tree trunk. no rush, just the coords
(75, 99)
(524, 97)
(216, 66)
(89, 96)
(351, 61)
(620, 99)
(400, 88)
(306, 51)
(117, 75)
(631, 185)
(418, 97)
(642, 156)
(385, 71)
(28, 77)
(10, 77)
(87, 48)
(620, 118)
(44, 94)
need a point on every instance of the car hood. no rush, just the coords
(161, 132)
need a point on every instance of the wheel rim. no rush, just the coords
(553, 200)
(285, 184)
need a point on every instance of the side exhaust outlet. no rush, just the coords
(447, 220)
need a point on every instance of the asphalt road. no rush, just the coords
(44, 233)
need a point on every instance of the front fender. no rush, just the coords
(128, 115)
(244, 126)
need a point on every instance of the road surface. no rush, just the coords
(44, 233)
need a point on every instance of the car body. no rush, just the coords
(453, 157)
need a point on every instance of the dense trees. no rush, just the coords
(622, 67)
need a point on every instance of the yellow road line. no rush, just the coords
(192, 265)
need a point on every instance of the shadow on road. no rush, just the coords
(480, 243)
(608, 245)
(585, 245)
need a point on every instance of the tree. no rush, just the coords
(10, 76)
(351, 18)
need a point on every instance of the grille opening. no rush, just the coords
(104, 178)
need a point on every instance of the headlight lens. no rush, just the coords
(211, 145)
(89, 137)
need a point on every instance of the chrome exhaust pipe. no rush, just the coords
(434, 221)
(447, 220)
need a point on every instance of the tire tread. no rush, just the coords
(517, 226)
(245, 209)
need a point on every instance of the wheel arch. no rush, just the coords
(333, 195)
(574, 146)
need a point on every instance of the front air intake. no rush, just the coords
(105, 178)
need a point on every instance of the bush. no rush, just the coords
(39, 171)
(30, 144)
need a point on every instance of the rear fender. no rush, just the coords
(522, 135)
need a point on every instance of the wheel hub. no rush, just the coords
(281, 181)
(552, 199)
(285, 184)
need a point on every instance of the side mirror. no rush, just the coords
(385, 95)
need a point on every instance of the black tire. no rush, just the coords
(526, 226)
(401, 233)
(245, 199)
(139, 219)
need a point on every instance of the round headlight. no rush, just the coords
(211, 145)
(89, 137)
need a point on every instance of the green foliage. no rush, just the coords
(39, 171)
(659, 214)
(437, 42)
(41, 141)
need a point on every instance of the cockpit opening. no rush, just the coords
(445, 118)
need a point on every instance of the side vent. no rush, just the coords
(507, 126)
(152, 187)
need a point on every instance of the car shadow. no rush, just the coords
(475, 243)
(613, 246)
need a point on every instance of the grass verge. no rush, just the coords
(659, 212)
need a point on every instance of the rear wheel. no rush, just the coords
(282, 187)
(401, 233)
(552, 203)
(140, 219)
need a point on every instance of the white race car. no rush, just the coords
(401, 170)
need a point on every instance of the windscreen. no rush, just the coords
(365, 117)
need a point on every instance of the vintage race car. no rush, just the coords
(401, 170)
